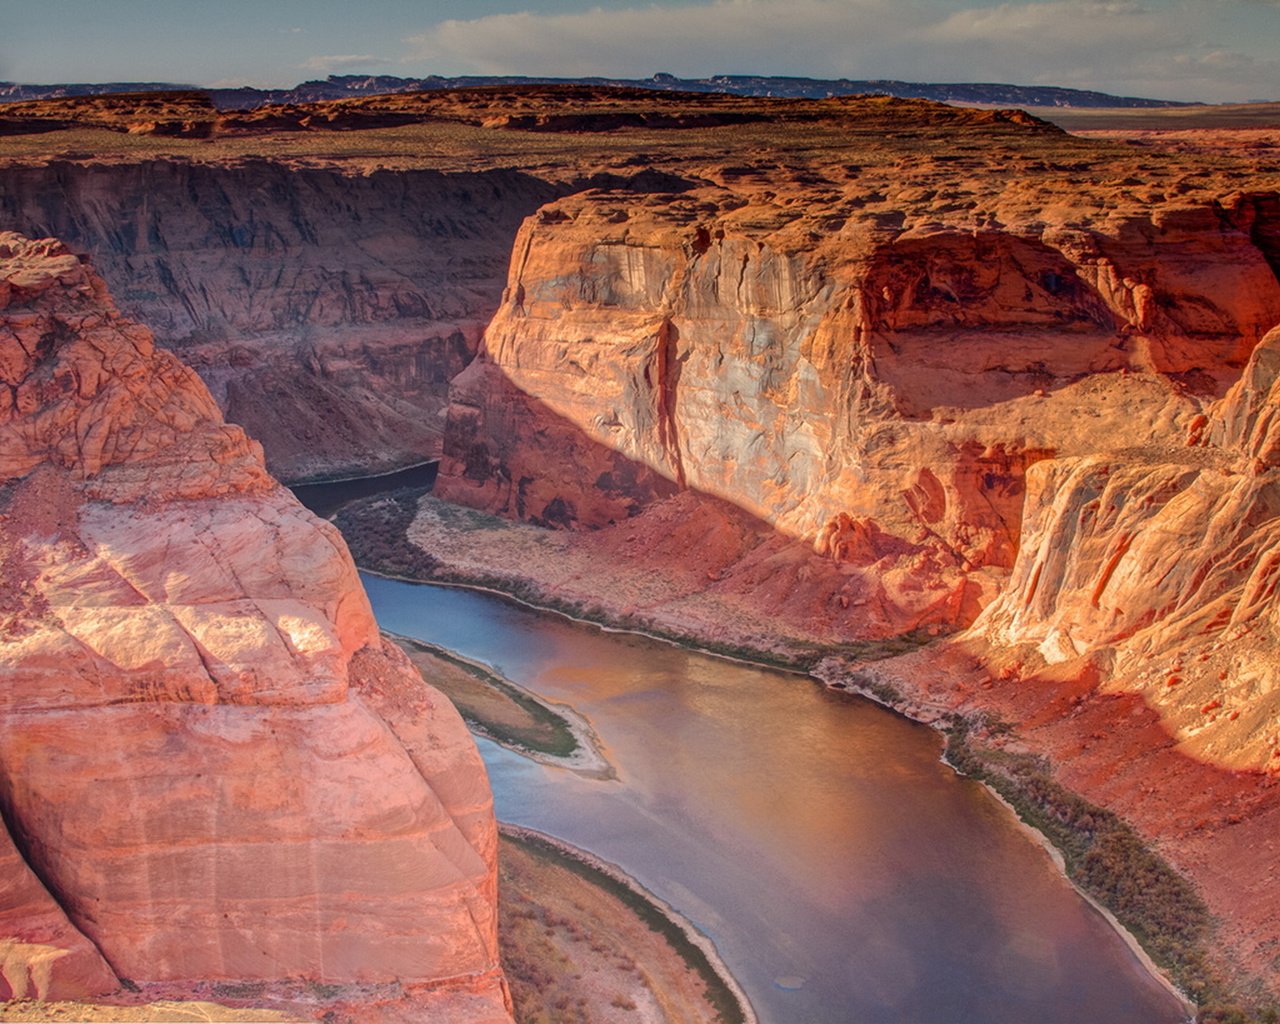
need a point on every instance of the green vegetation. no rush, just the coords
(499, 708)
(460, 519)
(322, 991)
(239, 989)
(1108, 860)
(881, 691)
(375, 530)
(718, 993)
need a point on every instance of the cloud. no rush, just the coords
(1162, 48)
(722, 36)
(344, 62)
(1050, 26)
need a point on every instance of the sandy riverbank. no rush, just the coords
(512, 716)
(582, 941)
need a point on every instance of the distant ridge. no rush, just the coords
(337, 87)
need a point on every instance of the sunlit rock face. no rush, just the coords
(211, 768)
(1045, 418)
(1162, 562)
(876, 387)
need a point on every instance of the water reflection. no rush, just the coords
(844, 873)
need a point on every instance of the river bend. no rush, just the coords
(845, 874)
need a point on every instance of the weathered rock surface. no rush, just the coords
(1055, 406)
(839, 370)
(326, 311)
(879, 392)
(212, 766)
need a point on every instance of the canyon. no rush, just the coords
(792, 377)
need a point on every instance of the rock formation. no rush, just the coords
(213, 770)
(1045, 419)
(841, 371)
(878, 391)
(326, 311)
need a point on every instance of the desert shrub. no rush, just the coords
(376, 531)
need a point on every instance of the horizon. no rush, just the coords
(1214, 51)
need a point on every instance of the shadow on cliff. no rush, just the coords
(1070, 750)
(1057, 730)
(326, 310)
(1016, 316)
(512, 455)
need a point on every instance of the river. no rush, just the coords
(844, 873)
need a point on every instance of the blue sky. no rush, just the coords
(1213, 50)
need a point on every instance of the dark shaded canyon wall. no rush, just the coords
(326, 311)
(875, 389)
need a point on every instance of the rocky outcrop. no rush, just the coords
(841, 371)
(212, 767)
(1040, 418)
(876, 390)
(1161, 563)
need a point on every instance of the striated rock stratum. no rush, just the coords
(1038, 414)
(214, 776)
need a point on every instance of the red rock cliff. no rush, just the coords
(874, 385)
(325, 310)
(1041, 415)
(212, 768)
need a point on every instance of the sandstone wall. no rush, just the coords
(211, 765)
(876, 387)
(1049, 421)
(327, 311)
(1162, 564)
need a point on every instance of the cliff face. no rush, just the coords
(1040, 417)
(877, 387)
(212, 768)
(1161, 562)
(840, 370)
(326, 311)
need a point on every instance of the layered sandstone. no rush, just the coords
(326, 310)
(1133, 645)
(833, 371)
(876, 389)
(875, 407)
(214, 770)
(329, 267)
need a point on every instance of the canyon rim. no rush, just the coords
(797, 379)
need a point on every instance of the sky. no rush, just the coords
(1215, 51)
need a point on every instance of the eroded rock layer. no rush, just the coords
(212, 767)
(879, 391)
(829, 371)
(326, 311)
(1044, 417)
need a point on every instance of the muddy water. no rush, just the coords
(844, 873)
